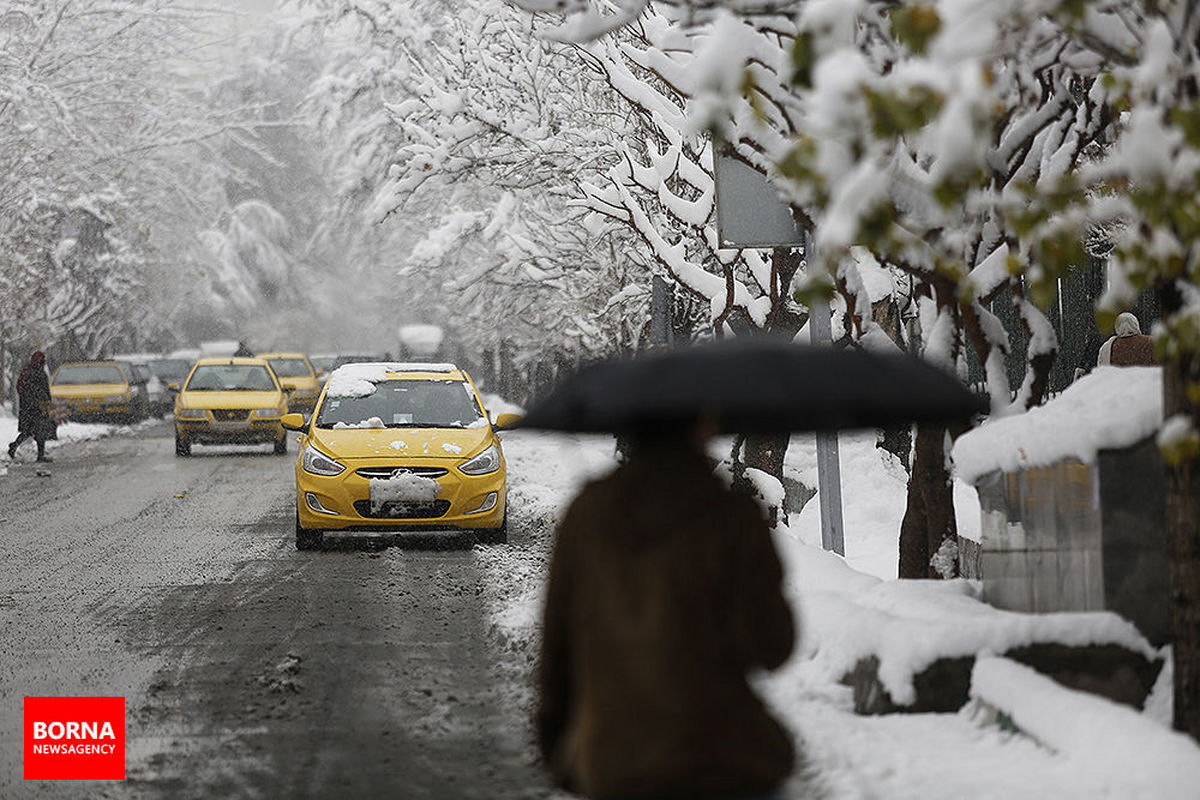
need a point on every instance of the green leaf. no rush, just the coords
(915, 25)
(893, 115)
(804, 58)
(1187, 119)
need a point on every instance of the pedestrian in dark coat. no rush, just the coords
(1128, 346)
(665, 590)
(34, 420)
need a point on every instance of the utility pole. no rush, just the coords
(829, 468)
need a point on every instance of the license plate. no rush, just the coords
(231, 426)
(88, 408)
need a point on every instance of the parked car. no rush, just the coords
(323, 363)
(396, 447)
(230, 401)
(158, 399)
(296, 373)
(172, 370)
(99, 391)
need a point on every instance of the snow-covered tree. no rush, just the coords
(488, 129)
(100, 121)
(986, 143)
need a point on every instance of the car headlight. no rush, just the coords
(266, 412)
(318, 463)
(482, 464)
(190, 413)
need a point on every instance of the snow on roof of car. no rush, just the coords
(358, 380)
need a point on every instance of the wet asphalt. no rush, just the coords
(248, 669)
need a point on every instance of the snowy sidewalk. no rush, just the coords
(1067, 750)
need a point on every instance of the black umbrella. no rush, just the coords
(755, 385)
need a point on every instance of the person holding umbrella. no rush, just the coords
(33, 396)
(665, 590)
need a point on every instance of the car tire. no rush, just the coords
(281, 446)
(306, 539)
(494, 535)
(182, 446)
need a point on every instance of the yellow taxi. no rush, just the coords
(295, 372)
(98, 390)
(396, 446)
(230, 401)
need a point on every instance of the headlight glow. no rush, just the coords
(190, 413)
(318, 463)
(482, 464)
(266, 412)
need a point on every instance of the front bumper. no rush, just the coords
(342, 502)
(255, 431)
(98, 411)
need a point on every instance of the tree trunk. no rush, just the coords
(929, 516)
(1183, 537)
(766, 453)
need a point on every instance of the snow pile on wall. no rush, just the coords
(1162, 765)
(1112, 407)
(908, 625)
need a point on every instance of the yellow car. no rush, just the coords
(399, 447)
(230, 401)
(98, 390)
(295, 372)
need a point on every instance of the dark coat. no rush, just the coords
(1132, 351)
(665, 590)
(33, 400)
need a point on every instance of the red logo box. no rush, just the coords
(75, 738)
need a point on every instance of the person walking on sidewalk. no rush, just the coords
(665, 591)
(34, 420)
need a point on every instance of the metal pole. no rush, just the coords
(829, 471)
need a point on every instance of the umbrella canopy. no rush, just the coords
(755, 385)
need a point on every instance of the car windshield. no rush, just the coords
(289, 367)
(171, 369)
(230, 378)
(405, 404)
(76, 374)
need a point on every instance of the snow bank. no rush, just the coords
(841, 610)
(908, 625)
(1137, 757)
(67, 432)
(1111, 407)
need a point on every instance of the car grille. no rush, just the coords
(403, 510)
(384, 473)
(230, 414)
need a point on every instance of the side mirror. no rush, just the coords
(294, 422)
(506, 420)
